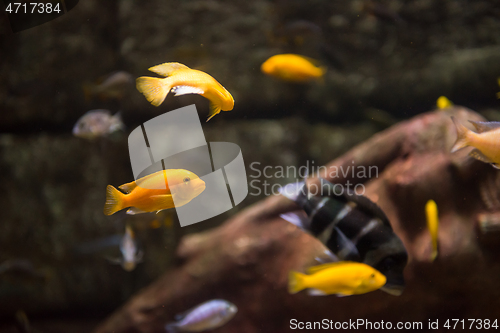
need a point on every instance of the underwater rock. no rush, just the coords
(247, 259)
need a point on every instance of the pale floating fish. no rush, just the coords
(352, 227)
(431, 213)
(131, 255)
(341, 278)
(114, 86)
(182, 80)
(21, 267)
(206, 316)
(486, 141)
(153, 193)
(97, 123)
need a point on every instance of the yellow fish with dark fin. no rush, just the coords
(154, 193)
(443, 103)
(431, 212)
(486, 141)
(183, 80)
(341, 278)
(292, 68)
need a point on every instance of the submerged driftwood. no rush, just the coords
(247, 259)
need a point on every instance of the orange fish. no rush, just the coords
(183, 80)
(154, 193)
(486, 141)
(292, 68)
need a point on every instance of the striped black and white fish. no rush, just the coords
(352, 227)
(206, 316)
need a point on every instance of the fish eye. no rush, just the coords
(185, 180)
(372, 275)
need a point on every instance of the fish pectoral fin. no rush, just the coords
(184, 90)
(316, 292)
(394, 291)
(135, 210)
(166, 69)
(330, 257)
(214, 110)
(478, 155)
(315, 269)
(129, 187)
(485, 126)
(299, 219)
(139, 256)
(115, 261)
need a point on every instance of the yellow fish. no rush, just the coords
(292, 68)
(486, 141)
(340, 278)
(183, 80)
(443, 103)
(431, 213)
(153, 193)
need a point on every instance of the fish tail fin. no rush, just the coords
(214, 110)
(154, 89)
(115, 201)
(295, 282)
(462, 136)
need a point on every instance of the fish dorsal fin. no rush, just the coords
(315, 269)
(167, 68)
(367, 206)
(361, 201)
(478, 155)
(485, 126)
(184, 90)
(129, 187)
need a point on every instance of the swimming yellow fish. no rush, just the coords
(183, 80)
(153, 193)
(431, 213)
(292, 68)
(340, 278)
(443, 103)
(486, 141)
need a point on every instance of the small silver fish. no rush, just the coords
(114, 86)
(131, 255)
(206, 316)
(97, 123)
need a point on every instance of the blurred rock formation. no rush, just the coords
(247, 259)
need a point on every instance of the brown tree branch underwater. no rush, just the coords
(248, 258)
